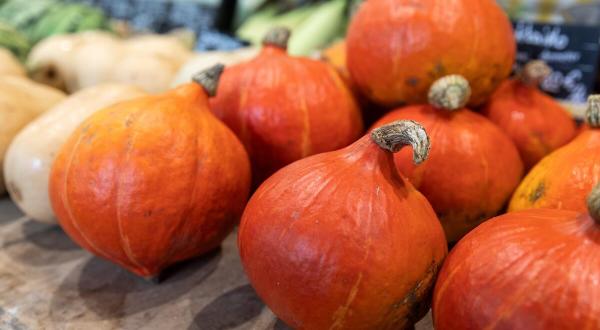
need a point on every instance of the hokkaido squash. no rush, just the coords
(534, 269)
(563, 178)
(152, 181)
(336, 56)
(397, 48)
(284, 108)
(32, 151)
(340, 240)
(21, 100)
(535, 122)
(473, 167)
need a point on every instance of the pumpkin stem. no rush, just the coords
(278, 37)
(593, 204)
(450, 93)
(534, 72)
(209, 78)
(592, 115)
(394, 136)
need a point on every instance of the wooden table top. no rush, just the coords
(48, 282)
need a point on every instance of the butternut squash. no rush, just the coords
(30, 155)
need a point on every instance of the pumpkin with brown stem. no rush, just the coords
(341, 240)
(535, 122)
(534, 269)
(473, 167)
(152, 181)
(284, 108)
(563, 178)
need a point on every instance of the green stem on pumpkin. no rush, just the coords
(450, 93)
(392, 137)
(278, 37)
(534, 72)
(592, 114)
(209, 78)
(593, 204)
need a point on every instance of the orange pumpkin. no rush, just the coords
(285, 108)
(563, 178)
(535, 122)
(152, 181)
(397, 48)
(473, 167)
(336, 56)
(532, 269)
(339, 240)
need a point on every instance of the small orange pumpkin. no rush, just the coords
(340, 240)
(473, 167)
(534, 269)
(535, 122)
(152, 181)
(397, 48)
(563, 178)
(284, 108)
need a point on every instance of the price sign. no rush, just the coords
(572, 51)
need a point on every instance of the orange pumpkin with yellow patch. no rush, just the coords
(562, 179)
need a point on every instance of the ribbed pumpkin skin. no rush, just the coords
(533, 269)
(398, 48)
(150, 182)
(535, 122)
(339, 240)
(562, 179)
(285, 108)
(472, 169)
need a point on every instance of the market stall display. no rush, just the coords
(139, 139)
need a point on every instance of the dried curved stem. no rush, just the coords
(450, 93)
(278, 37)
(593, 204)
(592, 114)
(394, 136)
(534, 72)
(209, 78)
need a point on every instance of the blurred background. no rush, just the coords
(564, 33)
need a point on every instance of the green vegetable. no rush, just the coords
(14, 41)
(318, 30)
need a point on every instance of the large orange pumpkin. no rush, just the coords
(535, 269)
(563, 178)
(152, 181)
(341, 241)
(535, 122)
(397, 48)
(285, 108)
(473, 167)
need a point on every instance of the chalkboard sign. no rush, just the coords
(572, 52)
(208, 18)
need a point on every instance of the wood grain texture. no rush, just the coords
(47, 282)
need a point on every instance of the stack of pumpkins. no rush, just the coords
(344, 230)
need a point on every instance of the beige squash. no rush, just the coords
(204, 60)
(28, 160)
(21, 100)
(9, 65)
(86, 59)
